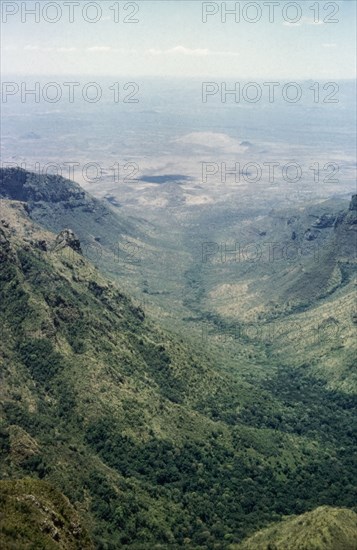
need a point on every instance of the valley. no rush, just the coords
(178, 275)
(201, 412)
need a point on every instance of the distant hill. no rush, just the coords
(287, 260)
(325, 528)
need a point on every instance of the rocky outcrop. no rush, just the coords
(353, 203)
(326, 220)
(68, 238)
(351, 218)
(19, 185)
(311, 235)
(41, 517)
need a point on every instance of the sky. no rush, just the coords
(170, 38)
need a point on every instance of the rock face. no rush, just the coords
(311, 235)
(68, 238)
(41, 517)
(351, 218)
(17, 184)
(326, 220)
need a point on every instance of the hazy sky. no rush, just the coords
(171, 39)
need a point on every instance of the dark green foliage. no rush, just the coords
(152, 445)
(76, 335)
(158, 363)
(197, 476)
(41, 359)
(310, 409)
(4, 441)
(36, 465)
(13, 297)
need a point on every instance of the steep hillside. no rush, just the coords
(285, 291)
(281, 263)
(322, 529)
(151, 442)
(34, 515)
(109, 241)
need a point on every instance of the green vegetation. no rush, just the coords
(323, 529)
(35, 515)
(156, 444)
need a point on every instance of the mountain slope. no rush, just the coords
(283, 262)
(285, 291)
(322, 529)
(34, 515)
(151, 442)
(108, 240)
